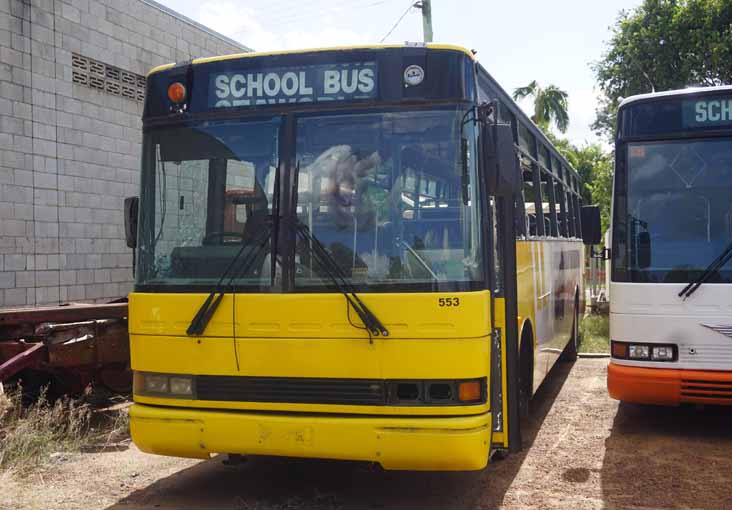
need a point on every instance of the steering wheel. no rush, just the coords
(208, 238)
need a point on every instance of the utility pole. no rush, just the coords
(426, 6)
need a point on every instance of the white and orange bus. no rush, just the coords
(670, 306)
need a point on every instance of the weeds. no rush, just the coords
(596, 333)
(30, 434)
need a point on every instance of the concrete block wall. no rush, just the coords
(69, 153)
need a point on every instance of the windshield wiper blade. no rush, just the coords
(335, 273)
(205, 312)
(712, 269)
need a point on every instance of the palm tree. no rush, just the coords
(550, 105)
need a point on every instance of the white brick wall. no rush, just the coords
(69, 154)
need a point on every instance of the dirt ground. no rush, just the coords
(582, 451)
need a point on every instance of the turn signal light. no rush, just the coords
(619, 350)
(469, 391)
(177, 92)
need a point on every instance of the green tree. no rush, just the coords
(550, 105)
(664, 45)
(595, 168)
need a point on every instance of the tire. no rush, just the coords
(526, 374)
(570, 351)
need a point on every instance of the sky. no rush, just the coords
(551, 41)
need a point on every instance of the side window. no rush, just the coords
(548, 205)
(570, 215)
(561, 207)
(530, 200)
(578, 215)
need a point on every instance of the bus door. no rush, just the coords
(502, 187)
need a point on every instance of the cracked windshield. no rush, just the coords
(679, 210)
(389, 195)
(392, 198)
(212, 187)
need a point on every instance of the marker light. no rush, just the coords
(177, 92)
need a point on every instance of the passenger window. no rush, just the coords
(570, 215)
(561, 208)
(530, 200)
(547, 205)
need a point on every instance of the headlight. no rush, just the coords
(163, 385)
(662, 353)
(181, 386)
(638, 351)
(156, 383)
(643, 352)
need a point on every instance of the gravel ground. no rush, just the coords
(582, 451)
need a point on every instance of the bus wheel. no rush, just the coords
(526, 374)
(570, 351)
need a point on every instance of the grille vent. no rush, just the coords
(701, 391)
(106, 78)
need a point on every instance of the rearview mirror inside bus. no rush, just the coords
(591, 227)
(131, 207)
(644, 250)
(500, 166)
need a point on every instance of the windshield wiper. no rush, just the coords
(207, 309)
(339, 279)
(712, 269)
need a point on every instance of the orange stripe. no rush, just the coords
(667, 386)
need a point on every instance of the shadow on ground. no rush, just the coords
(287, 484)
(663, 457)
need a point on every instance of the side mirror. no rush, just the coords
(500, 164)
(644, 250)
(131, 209)
(591, 225)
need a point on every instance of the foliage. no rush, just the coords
(664, 45)
(595, 331)
(595, 167)
(550, 105)
(600, 165)
(32, 434)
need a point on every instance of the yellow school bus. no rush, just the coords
(363, 253)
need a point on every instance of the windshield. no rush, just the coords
(390, 195)
(206, 190)
(673, 211)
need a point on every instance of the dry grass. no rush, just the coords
(31, 435)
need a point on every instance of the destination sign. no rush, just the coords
(302, 84)
(707, 112)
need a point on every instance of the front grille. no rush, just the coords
(700, 391)
(291, 390)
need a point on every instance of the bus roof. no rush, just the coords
(254, 54)
(672, 93)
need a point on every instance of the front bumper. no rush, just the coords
(426, 444)
(665, 386)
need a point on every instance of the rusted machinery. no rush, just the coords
(66, 347)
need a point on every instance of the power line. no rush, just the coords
(342, 8)
(293, 16)
(411, 5)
